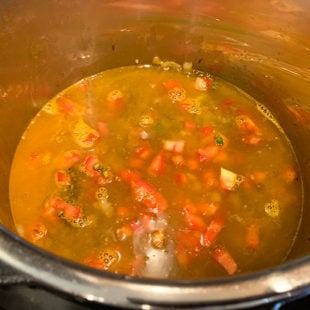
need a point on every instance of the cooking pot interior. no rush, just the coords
(47, 45)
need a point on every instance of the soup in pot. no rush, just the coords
(157, 171)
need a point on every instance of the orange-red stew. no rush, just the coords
(157, 173)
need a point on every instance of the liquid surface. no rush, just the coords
(154, 172)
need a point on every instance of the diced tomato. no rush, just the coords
(208, 209)
(136, 163)
(178, 160)
(185, 105)
(57, 204)
(207, 153)
(289, 174)
(189, 208)
(206, 130)
(144, 152)
(210, 235)
(187, 247)
(209, 178)
(124, 212)
(124, 232)
(227, 103)
(88, 165)
(106, 259)
(181, 178)
(157, 166)
(230, 180)
(192, 164)
(252, 139)
(128, 176)
(172, 84)
(91, 138)
(52, 207)
(176, 146)
(224, 258)
(190, 240)
(33, 156)
(84, 135)
(71, 212)
(103, 129)
(38, 232)
(247, 125)
(94, 262)
(183, 256)
(194, 222)
(62, 178)
(252, 236)
(156, 202)
(259, 176)
(221, 157)
(190, 126)
(42, 158)
(203, 83)
(70, 158)
(115, 101)
(66, 105)
(146, 194)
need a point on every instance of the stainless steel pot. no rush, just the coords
(261, 46)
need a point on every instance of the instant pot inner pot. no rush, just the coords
(45, 47)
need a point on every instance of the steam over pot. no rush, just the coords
(260, 46)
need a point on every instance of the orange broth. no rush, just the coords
(154, 172)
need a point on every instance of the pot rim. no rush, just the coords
(286, 281)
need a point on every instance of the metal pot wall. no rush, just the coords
(261, 46)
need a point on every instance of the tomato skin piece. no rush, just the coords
(210, 235)
(224, 258)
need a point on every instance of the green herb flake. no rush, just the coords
(219, 140)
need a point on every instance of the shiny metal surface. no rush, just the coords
(261, 46)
